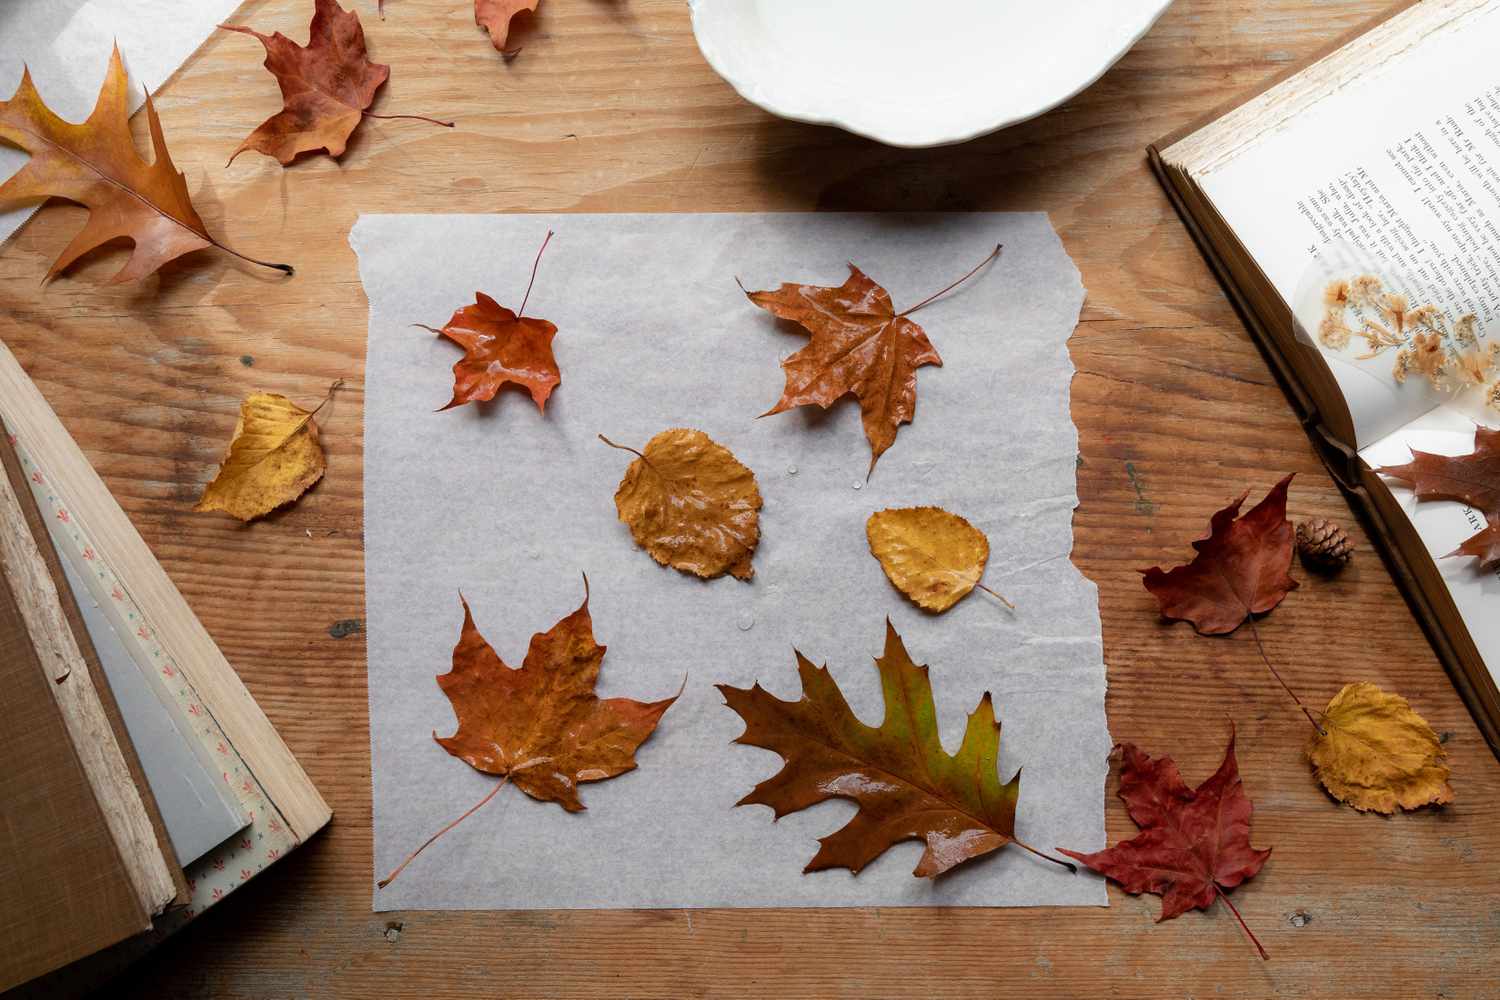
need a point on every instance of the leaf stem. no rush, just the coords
(996, 595)
(1274, 673)
(1045, 857)
(1248, 932)
(937, 295)
(534, 265)
(337, 385)
(283, 268)
(419, 118)
(413, 855)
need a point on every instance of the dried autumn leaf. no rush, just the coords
(540, 727)
(1377, 754)
(1472, 479)
(1194, 845)
(932, 556)
(1240, 569)
(906, 785)
(499, 347)
(495, 16)
(860, 346)
(273, 458)
(326, 86)
(96, 165)
(691, 504)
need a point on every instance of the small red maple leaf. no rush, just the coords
(1194, 843)
(1240, 569)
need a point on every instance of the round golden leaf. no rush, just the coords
(1378, 754)
(933, 557)
(273, 458)
(691, 504)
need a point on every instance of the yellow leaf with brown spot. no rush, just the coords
(272, 459)
(1378, 754)
(691, 504)
(933, 557)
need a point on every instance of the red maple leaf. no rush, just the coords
(1472, 479)
(1194, 843)
(1240, 569)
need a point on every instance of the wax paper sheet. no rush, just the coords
(510, 506)
(66, 45)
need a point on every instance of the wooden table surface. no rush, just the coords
(610, 108)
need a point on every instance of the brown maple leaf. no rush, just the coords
(495, 16)
(499, 347)
(1193, 845)
(96, 165)
(1240, 569)
(1472, 479)
(540, 727)
(326, 86)
(906, 785)
(860, 346)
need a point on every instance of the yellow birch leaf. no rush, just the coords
(272, 459)
(933, 557)
(691, 504)
(1378, 754)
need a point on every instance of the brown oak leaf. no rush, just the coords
(326, 86)
(1240, 569)
(1472, 479)
(499, 347)
(860, 346)
(540, 727)
(906, 785)
(1193, 845)
(495, 16)
(96, 165)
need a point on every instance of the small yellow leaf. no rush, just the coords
(1379, 754)
(691, 504)
(272, 459)
(933, 557)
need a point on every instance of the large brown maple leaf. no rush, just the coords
(96, 165)
(1472, 479)
(860, 346)
(326, 86)
(906, 785)
(1194, 844)
(1240, 569)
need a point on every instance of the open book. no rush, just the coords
(143, 783)
(1352, 210)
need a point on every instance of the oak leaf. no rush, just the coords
(1472, 479)
(1377, 754)
(931, 555)
(1194, 845)
(495, 16)
(96, 165)
(1240, 569)
(860, 346)
(273, 458)
(691, 504)
(906, 785)
(539, 727)
(501, 346)
(326, 86)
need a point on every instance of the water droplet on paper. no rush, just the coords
(858, 485)
(746, 621)
(791, 470)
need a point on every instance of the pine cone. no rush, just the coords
(1323, 545)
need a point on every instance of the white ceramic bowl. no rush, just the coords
(915, 73)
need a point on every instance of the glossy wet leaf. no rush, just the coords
(1377, 754)
(930, 555)
(691, 504)
(500, 347)
(906, 785)
(273, 458)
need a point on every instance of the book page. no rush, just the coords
(1399, 170)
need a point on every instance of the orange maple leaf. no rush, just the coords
(96, 165)
(495, 16)
(860, 346)
(326, 86)
(501, 346)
